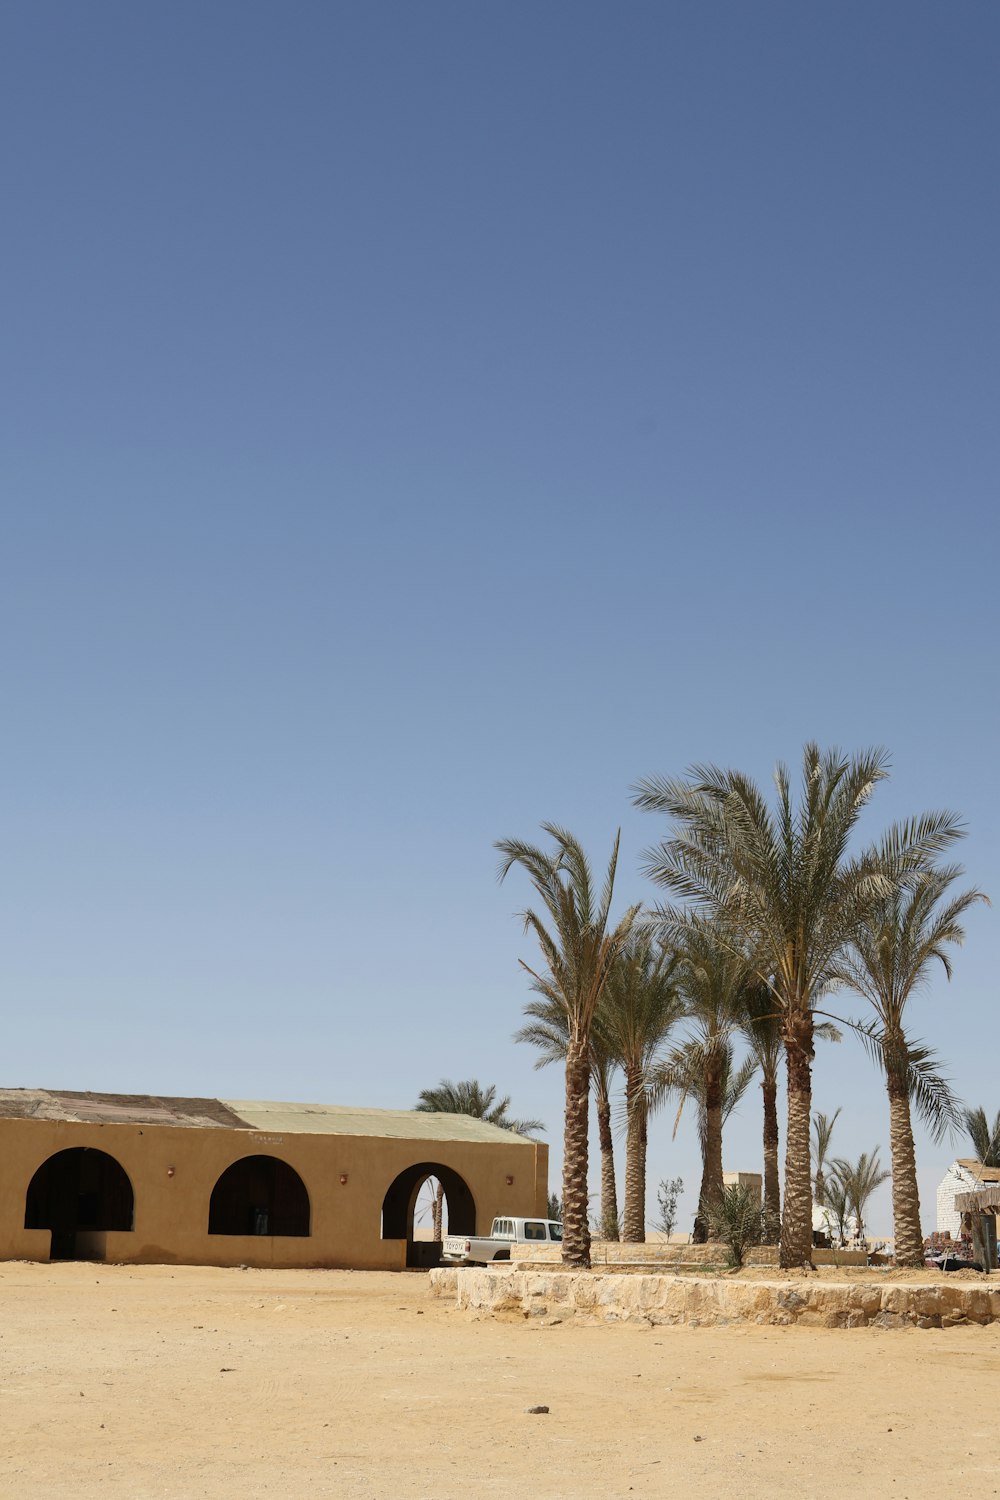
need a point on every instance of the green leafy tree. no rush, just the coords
(579, 948)
(469, 1097)
(785, 884)
(889, 960)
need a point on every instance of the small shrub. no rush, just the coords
(605, 1226)
(667, 1195)
(737, 1219)
(611, 1228)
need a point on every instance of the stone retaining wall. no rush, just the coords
(654, 1252)
(665, 1299)
(662, 1253)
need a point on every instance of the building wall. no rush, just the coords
(752, 1181)
(955, 1180)
(171, 1208)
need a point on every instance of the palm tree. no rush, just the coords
(548, 1030)
(761, 1028)
(890, 958)
(579, 953)
(640, 1006)
(726, 1083)
(737, 1219)
(857, 1181)
(837, 1206)
(602, 1071)
(822, 1127)
(469, 1098)
(713, 981)
(786, 886)
(985, 1142)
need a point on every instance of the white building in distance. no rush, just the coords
(963, 1176)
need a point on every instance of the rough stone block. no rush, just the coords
(651, 1299)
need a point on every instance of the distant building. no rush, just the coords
(212, 1182)
(752, 1181)
(963, 1176)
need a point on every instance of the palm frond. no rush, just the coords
(470, 1097)
(917, 1068)
(985, 1138)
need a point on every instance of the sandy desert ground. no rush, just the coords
(184, 1383)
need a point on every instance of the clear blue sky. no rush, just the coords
(420, 421)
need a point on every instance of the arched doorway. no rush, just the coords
(78, 1193)
(259, 1195)
(400, 1201)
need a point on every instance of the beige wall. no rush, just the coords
(171, 1212)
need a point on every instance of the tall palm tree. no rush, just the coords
(640, 1006)
(602, 1071)
(761, 1028)
(857, 1181)
(726, 1084)
(985, 1141)
(548, 1030)
(785, 883)
(713, 983)
(469, 1097)
(579, 950)
(889, 960)
(822, 1128)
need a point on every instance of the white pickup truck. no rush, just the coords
(468, 1250)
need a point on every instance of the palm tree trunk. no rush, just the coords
(609, 1186)
(772, 1179)
(437, 1211)
(643, 1145)
(576, 1227)
(634, 1228)
(711, 1170)
(796, 1221)
(905, 1194)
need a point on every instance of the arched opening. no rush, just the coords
(259, 1195)
(78, 1194)
(400, 1202)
